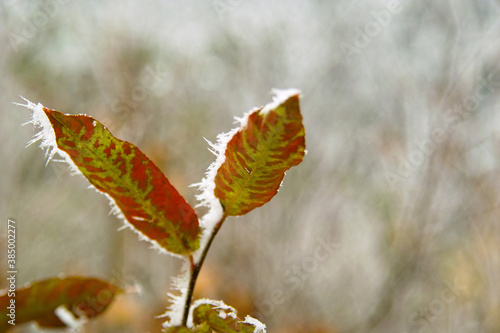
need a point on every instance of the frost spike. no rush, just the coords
(40, 300)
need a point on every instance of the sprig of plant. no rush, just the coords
(248, 171)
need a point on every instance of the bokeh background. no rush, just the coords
(391, 223)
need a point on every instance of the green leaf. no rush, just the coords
(223, 318)
(270, 142)
(38, 301)
(138, 187)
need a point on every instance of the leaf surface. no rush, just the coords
(81, 296)
(271, 141)
(138, 187)
(182, 329)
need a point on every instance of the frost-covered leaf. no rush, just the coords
(223, 318)
(269, 142)
(144, 196)
(81, 297)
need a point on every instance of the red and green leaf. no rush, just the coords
(259, 153)
(82, 296)
(222, 319)
(138, 187)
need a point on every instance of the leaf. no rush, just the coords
(223, 318)
(81, 296)
(270, 141)
(119, 169)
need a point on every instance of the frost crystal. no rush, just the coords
(259, 327)
(67, 317)
(281, 95)
(46, 134)
(175, 311)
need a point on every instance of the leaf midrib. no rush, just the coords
(258, 163)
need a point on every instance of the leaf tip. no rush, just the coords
(46, 134)
(280, 96)
(259, 327)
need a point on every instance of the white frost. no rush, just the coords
(207, 187)
(281, 95)
(259, 327)
(46, 135)
(68, 318)
(175, 311)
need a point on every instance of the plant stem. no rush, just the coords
(196, 267)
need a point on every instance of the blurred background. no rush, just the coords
(391, 223)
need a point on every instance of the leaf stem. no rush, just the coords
(196, 267)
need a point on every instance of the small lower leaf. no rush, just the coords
(83, 297)
(223, 318)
